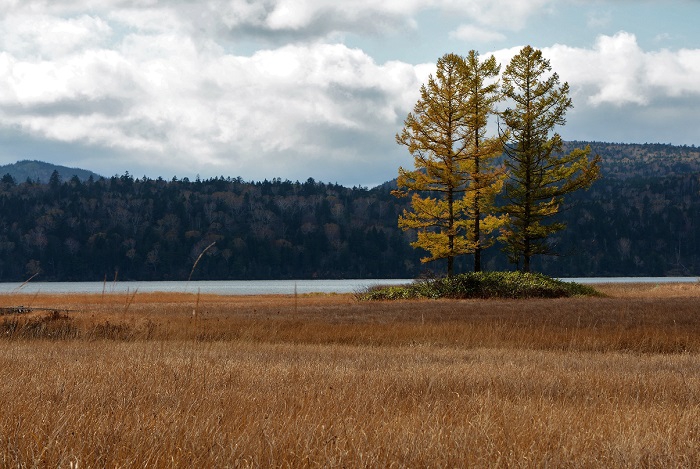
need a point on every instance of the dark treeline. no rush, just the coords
(155, 229)
(631, 227)
(145, 229)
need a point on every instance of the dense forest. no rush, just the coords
(641, 218)
(155, 229)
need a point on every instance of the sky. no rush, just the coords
(294, 89)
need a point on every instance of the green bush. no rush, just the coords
(482, 285)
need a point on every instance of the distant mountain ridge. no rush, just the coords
(41, 171)
(618, 161)
(630, 160)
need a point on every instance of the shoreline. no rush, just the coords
(269, 287)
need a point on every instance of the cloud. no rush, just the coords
(622, 92)
(503, 14)
(675, 73)
(155, 88)
(487, 21)
(283, 19)
(598, 19)
(275, 21)
(610, 72)
(617, 71)
(161, 95)
(43, 35)
(470, 32)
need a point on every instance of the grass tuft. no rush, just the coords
(514, 285)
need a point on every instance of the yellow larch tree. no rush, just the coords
(486, 179)
(453, 183)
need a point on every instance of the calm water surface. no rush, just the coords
(262, 287)
(224, 287)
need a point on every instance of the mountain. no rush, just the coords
(635, 160)
(41, 171)
(632, 160)
(619, 161)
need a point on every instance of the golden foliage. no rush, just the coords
(453, 159)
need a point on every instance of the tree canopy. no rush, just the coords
(452, 183)
(539, 173)
(455, 181)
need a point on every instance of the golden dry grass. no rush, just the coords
(324, 381)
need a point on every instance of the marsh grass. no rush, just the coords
(325, 381)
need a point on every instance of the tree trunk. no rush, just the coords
(451, 236)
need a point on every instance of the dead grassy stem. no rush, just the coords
(247, 382)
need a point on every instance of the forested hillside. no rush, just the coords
(631, 227)
(629, 160)
(155, 229)
(40, 171)
(641, 218)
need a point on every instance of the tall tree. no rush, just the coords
(435, 134)
(486, 180)
(454, 180)
(539, 174)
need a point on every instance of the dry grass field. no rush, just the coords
(182, 380)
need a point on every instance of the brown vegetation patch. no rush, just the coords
(651, 290)
(630, 318)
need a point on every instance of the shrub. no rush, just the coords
(481, 285)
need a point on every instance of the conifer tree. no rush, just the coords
(453, 183)
(435, 135)
(539, 174)
(486, 181)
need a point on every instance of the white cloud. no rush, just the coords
(503, 14)
(46, 36)
(675, 73)
(152, 20)
(617, 71)
(598, 19)
(157, 84)
(624, 93)
(291, 15)
(88, 76)
(470, 32)
(488, 21)
(612, 71)
(160, 94)
(280, 21)
(306, 18)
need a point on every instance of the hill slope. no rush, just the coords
(41, 171)
(630, 160)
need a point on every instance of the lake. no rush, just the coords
(218, 287)
(261, 287)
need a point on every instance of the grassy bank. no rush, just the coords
(482, 285)
(326, 381)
